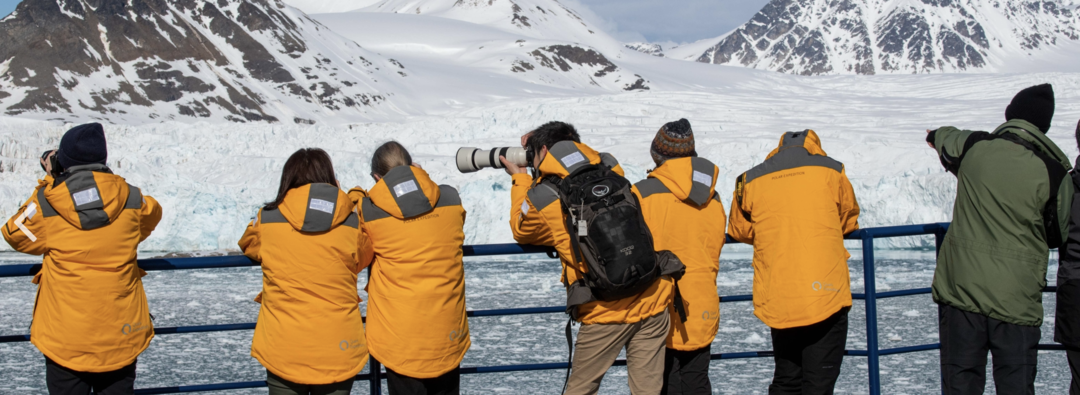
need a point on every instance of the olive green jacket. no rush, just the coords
(1006, 219)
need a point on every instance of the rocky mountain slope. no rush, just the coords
(136, 60)
(812, 37)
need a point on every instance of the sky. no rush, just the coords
(657, 21)
(671, 21)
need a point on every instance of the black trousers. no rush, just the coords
(687, 372)
(280, 386)
(966, 338)
(447, 384)
(808, 358)
(64, 381)
(1074, 366)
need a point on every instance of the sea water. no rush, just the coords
(223, 296)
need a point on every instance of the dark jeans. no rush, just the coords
(447, 384)
(64, 381)
(966, 338)
(1074, 366)
(687, 372)
(808, 358)
(280, 386)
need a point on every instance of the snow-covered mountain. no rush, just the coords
(134, 61)
(541, 42)
(812, 37)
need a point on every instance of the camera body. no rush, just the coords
(473, 159)
(54, 163)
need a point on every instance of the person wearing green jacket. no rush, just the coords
(1013, 200)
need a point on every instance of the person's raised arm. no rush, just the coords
(526, 220)
(251, 242)
(25, 231)
(365, 253)
(849, 206)
(740, 225)
(950, 144)
(149, 217)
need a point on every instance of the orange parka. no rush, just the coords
(416, 294)
(795, 209)
(536, 217)
(685, 215)
(310, 330)
(91, 313)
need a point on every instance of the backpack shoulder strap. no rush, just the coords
(1056, 173)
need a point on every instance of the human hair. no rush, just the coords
(551, 133)
(306, 166)
(388, 156)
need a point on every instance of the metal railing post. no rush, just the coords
(872, 363)
(376, 376)
(939, 239)
(373, 364)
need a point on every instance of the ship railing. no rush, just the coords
(376, 375)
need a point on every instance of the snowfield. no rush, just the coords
(212, 178)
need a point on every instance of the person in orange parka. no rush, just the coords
(795, 209)
(416, 323)
(91, 319)
(684, 212)
(637, 323)
(310, 334)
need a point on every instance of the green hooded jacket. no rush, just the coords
(1006, 219)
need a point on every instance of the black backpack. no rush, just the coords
(609, 235)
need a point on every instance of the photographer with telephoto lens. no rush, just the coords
(618, 287)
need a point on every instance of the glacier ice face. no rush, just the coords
(212, 178)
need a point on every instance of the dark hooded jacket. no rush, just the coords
(1067, 317)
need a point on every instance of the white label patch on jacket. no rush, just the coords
(702, 178)
(405, 187)
(322, 205)
(86, 197)
(572, 159)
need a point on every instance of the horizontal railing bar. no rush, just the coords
(479, 313)
(504, 249)
(522, 311)
(737, 298)
(909, 349)
(204, 328)
(156, 264)
(14, 338)
(201, 388)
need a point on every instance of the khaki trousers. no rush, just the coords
(598, 346)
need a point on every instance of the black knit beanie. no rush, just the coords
(674, 140)
(1035, 105)
(82, 145)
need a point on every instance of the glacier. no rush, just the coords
(212, 178)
